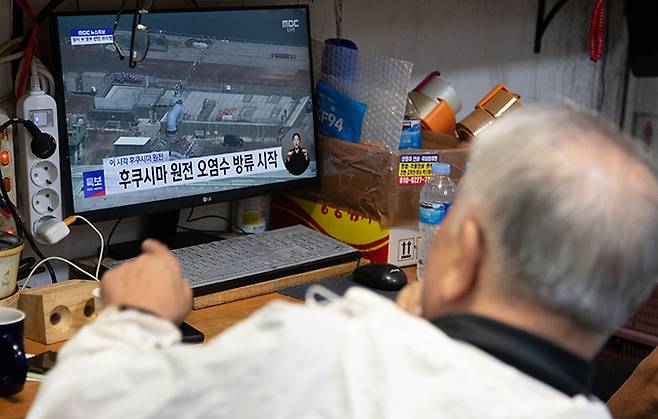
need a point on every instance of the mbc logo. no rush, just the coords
(290, 24)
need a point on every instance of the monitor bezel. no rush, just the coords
(171, 204)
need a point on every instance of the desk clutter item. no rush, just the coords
(388, 182)
(378, 83)
(237, 262)
(13, 366)
(11, 301)
(11, 247)
(435, 103)
(56, 312)
(338, 285)
(381, 276)
(377, 243)
(498, 101)
(436, 198)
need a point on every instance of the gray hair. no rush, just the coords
(570, 206)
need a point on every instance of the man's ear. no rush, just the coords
(468, 254)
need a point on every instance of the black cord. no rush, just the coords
(19, 221)
(21, 228)
(201, 231)
(109, 237)
(195, 4)
(47, 10)
(220, 218)
(189, 219)
(77, 4)
(544, 21)
(189, 216)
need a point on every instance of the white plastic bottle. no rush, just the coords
(436, 198)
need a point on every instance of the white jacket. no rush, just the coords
(360, 357)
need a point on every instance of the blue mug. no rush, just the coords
(13, 365)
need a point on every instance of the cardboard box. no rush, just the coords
(377, 243)
(383, 185)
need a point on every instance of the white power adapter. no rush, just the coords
(52, 231)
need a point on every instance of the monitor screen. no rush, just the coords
(220, 107)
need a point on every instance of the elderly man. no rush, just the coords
(550, 245)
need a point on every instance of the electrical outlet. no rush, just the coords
(45, 201)
(44, 173)
(38, 178)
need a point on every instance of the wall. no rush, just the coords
(642, 112)
(475, 44)
(5, 32)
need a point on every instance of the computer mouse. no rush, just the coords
(381, 276)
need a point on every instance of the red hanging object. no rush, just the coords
(597, 31)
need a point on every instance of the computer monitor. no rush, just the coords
(221, 108)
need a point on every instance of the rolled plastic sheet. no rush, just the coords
(381, 83)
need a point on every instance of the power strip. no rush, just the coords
(39, 185)
(7, 162)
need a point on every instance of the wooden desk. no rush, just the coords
(211, 321)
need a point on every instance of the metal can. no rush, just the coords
(251, 215)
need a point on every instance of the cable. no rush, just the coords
(11, 44)
(220, 217)
(68, 221)
(201, 231)
(35, 85)
(194, 2)
(11, 57)
(100, 236)
(19, 221)
(338, 12)
(189, 216)
(189, 219)
(109, 236)
(47, 10)
(21, 227)
(46, 80)
(46, 260)
(29, 52)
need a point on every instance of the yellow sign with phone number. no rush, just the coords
(416, 169)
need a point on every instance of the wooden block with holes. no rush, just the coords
(54, 313)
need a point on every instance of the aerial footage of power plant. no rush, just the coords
(206, 88)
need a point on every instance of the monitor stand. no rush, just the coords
(161, 227)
